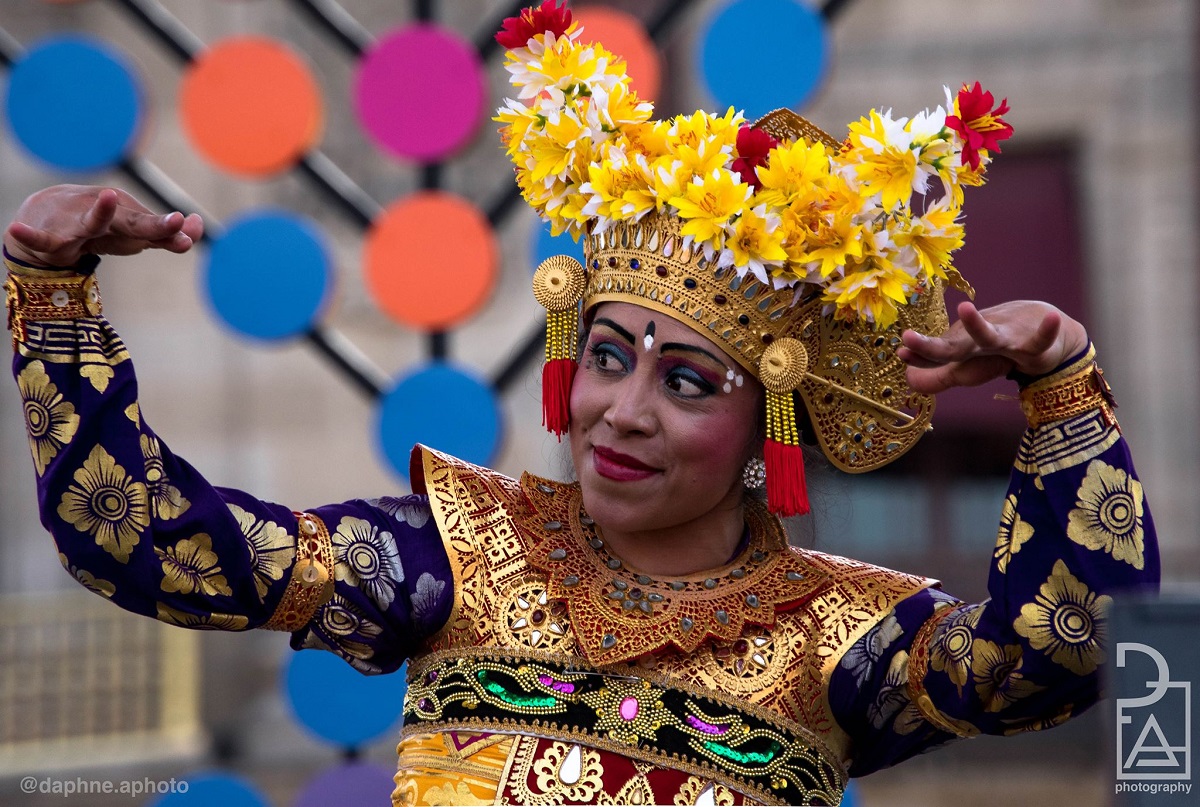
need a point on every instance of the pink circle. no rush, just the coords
(629, 708)
(420, 92)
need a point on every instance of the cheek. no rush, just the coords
(721, 441)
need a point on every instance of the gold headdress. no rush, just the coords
(802, 257)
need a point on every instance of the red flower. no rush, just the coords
(980, 126)
(517, 31)
(753, 145)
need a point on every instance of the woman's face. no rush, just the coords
(662, 421)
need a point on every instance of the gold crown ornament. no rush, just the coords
(803, 257)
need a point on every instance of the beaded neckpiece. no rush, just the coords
(619, 614)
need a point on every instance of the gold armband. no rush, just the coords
(311, 585)
(47, 295)
(1059, 398)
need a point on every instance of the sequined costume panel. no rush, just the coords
(138, 525)
(553, 637)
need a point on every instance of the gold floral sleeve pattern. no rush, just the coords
(1075, 528)
(139, 526)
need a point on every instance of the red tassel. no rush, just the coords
(557, 375)
(787, 493)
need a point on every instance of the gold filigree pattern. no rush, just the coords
(700, 791)
(1108, 514)
(1066, 621)
(488, 522)
(50, 419)
(166, 502)
(533, 620)
(562, 773)
(106, 503)
(619, 614)
(1012, 535)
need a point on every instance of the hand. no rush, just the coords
(59, 225)
(1027, 336)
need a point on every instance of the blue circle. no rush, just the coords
(75, 103)
(338, 703)
(209, 790)
(546, 245)
(444, 407)
(760, 55)
(268, 275)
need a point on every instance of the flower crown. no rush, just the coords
(866, 223)
(802, 256)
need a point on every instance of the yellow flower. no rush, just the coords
(648, 138)
(166, 502)
(1108, 514)
(50, 420)
(210, 621)
(932, 237)
(272, 550)
(191, 566)
(997, 672)
(892, 172)
(555, 147)
(709, 202)
(872, 293)
(1066, 621)
(833, 243)
(518, 120)
(690, 130)
(107, 503)
(701, 159)
(951, 649)
(754, 243)
(1012, 535)
(618, 186)
(794, 173)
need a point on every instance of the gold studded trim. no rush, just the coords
(1078, 389)
(311, 584)
(35, 295)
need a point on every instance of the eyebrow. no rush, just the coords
(624, 334)
(691, 349)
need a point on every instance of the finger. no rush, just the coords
(140, 225)
(1046, 334)
(954, 345)
(982, 332)
(193, 227)
(97, 218)
(913, 359)
(32, 239)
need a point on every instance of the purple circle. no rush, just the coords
(420, 92)
(348, 783)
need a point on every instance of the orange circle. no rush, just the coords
(251, 106)
(624, 35)
(431, 260)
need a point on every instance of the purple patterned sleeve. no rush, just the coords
(1075, 529)
(140, 526)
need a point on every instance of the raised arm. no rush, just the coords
(1074, 530)
(139, 525)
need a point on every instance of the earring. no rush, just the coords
(754, 475)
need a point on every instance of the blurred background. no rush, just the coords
(354, 138)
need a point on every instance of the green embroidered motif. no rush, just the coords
(503, 694)
(743, 758)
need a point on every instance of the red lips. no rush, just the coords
(619, 467)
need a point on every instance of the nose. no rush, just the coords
(631, 410)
